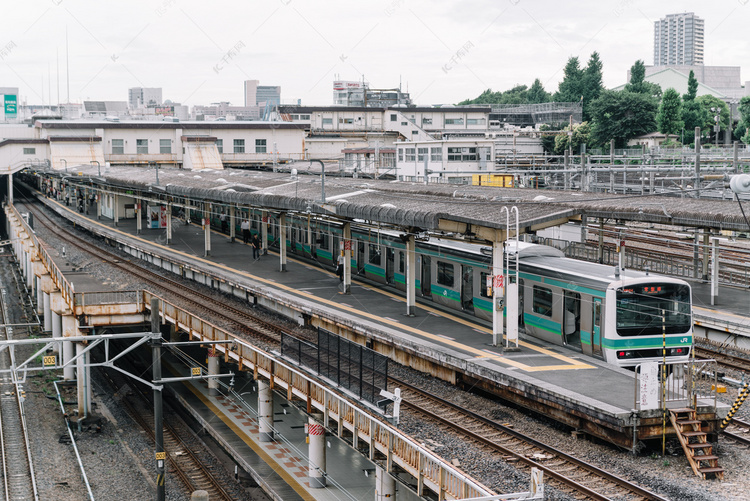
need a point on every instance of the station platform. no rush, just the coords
(282, 465)
(588, 393)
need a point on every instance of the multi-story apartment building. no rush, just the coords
(678, 40)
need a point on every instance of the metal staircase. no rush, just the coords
(694, 442)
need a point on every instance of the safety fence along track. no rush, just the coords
(564, 472)
(19, 482)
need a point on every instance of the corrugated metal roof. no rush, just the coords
(419, 205)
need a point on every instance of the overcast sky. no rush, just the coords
(442, 51)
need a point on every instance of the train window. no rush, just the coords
(374, 254)
(401, 265)
(485, 288)
(650, 309)
(323, 241)
(445, 274)
(542, 301)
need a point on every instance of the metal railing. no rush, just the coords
(686, 384)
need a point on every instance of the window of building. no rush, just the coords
(400, 154)
(118, 148)
(454, 121)
(346, 120)
(328, 121)
(542, 301)
(445, 274)
(410, 155)
(304, 117)
(29, 151)
(165, 146)
(421, 154)
(260, 146)
(462, 154)
(436, 154)
(141, 146)
(374, 254)
(394, 117)
(485, 284)
(426, 121)
(239, 146)
(475, 121)
(220, 145)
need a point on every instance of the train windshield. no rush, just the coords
(646, 309)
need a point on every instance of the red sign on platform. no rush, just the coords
(499, 280)
(265, 219)
(347, 245)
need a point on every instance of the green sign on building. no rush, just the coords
(10, 104)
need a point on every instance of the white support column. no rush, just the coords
(264, 232)
(714, 271)
(69, 329)
(116, 209)
(10, 188)
(317, 453)
(29, 270)
(498, 293)
(232, 223)
(138, 216)
(265, 412)
(213, 369)
(56, 325)
(282, 241)
(385, 485)
(47, 314)
(169, 224)
(347, 258)
(411, 276)
(206, 234)
(83, 383)
(39, 297)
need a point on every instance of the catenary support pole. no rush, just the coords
(317, 453)
(265, 411)
(282, 241)
(385, 485)
(411, 276)
(714, 271)
(347, 233)
(159, 453)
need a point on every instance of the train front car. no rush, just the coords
(646, 319)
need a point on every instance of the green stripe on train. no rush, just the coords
(437, 290)
(637, 342)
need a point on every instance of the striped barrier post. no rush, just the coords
(736, 405)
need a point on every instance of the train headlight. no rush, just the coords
(626, 354)
(676, 352)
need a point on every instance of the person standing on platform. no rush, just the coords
(340, 267)
(245, 227)
(256, 247)
(224, 223)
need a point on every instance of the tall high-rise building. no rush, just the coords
(678, 40)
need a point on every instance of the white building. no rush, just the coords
(141, 97)
(189, 145)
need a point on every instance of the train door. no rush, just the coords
(426, 276)
(596, 327)
(520, 303)
(571, 319)
(360, 257)
(467, 288)
(389, 264)
(293, 238)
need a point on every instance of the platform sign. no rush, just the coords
(49, 360)
(196, 371)
(649, 385)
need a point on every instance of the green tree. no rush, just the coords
(571, 87)
(591, 83)
(692, 87)
(693, 115)
(537, 94)
(622, 116)
(709, 104)
(743, 126)
(548, 140)
(669, 118)
(638, 83)
(580, 135)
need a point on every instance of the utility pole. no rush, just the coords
(158, 424)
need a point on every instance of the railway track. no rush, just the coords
(725, 359)
(242, 321)
(566, 473)
(739, 431)
(19, 481)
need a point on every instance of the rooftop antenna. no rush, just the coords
(57, 73)
(49, 83)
